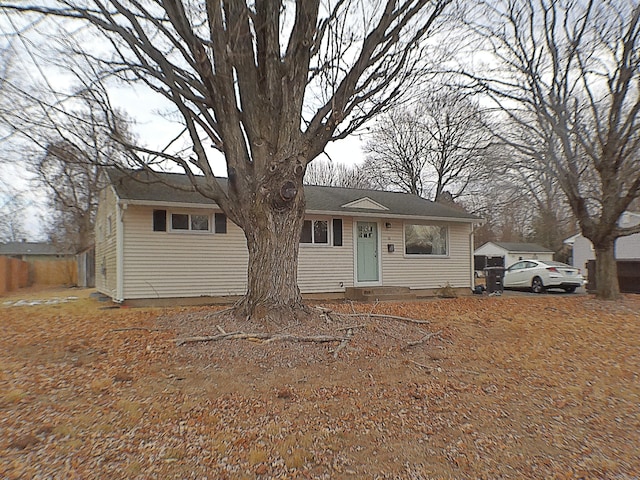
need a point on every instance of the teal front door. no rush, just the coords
(367, 251)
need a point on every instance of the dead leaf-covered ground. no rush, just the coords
(512, 387)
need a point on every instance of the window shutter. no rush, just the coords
(337, 232)
(159, 220)
(306, 235)
(220, 223)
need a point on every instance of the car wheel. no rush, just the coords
(570, 289)
(536, 285)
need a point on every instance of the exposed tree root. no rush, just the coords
(279, 336)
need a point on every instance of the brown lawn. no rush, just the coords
(511, 387)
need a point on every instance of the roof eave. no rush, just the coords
(393, 215)
(157, 203)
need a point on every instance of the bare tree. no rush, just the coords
(74, 183)
(12, 207)
(268, 84)
(332, 174)
(434, 148)
(567, 74)
(65, 145)
(397, 152)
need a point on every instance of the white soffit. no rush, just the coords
(365, 203)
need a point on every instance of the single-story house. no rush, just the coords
(626, 248)
(512, 252)
(158, 242)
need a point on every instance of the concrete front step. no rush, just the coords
(368, 294)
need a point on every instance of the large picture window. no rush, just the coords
(425, 240)
(315, 231)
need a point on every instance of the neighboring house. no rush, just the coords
(31, 251)
(626, 248)
(155, 241)
(512, 252)
(49, 264)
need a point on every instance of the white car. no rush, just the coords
(539, 275)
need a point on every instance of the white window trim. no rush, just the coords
(170, 228)
(425, 255)
(313, 244)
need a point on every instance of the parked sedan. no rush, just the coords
(539, 275)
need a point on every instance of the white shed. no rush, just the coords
(512, 252)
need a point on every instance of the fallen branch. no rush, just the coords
(343, 343)
(423, 339)
(426, 367)
(402, 319)
(382, 315)
(266, 337)
(350, 327)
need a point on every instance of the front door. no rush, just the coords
(367, 251)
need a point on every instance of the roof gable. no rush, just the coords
(365, 203)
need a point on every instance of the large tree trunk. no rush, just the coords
(606, 272)
(273, 237)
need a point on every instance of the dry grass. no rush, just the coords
(522, 387)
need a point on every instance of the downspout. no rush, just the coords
(121, 207)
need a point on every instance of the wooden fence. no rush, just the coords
(15, 273)
(61, 271)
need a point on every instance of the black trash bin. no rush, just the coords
(494, 277)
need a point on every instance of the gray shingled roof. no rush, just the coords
(31, 248)
(158, 188)
(522, 247)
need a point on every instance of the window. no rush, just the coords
(425, 240)
(315, 231)
(179, 221)
(200, 223)
(190, 222)
(109, 226)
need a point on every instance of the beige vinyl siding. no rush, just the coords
(424, 271)
(106, 243)
(171, 264)
(181, 264)
(325, 268)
